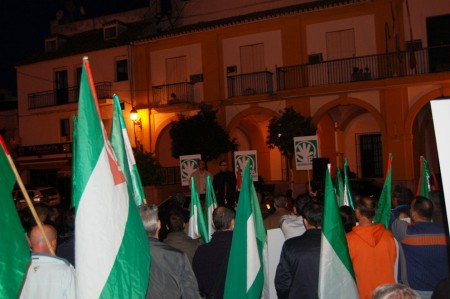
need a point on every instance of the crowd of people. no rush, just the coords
(409, 258)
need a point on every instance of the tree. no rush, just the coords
(149, 168)
(284, 128)
(200, 134)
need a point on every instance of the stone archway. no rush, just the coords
(344, 125)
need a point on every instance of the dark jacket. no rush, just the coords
(210, 264)
(224, 183)
(171, 275)
(183, 242)
(297, 273)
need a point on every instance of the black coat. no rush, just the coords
(210, 263)
(297, 273)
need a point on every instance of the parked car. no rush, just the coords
(45, 195)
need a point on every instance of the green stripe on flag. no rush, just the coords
(112, 250)
(245, 274)
(383, 214)
(124, 153)
(14, 250)
(336, 275)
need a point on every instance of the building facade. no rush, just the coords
(364, 70)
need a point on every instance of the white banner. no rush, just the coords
(306, 149)
(441, 110)
(188, 164)
(240, 160)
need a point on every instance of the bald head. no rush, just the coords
(37, 240)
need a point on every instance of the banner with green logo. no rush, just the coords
(240, 160)
(188, 164)
(306, 149)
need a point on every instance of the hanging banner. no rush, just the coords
(240, 160)
(440, 110)
(306, 149)
(188, 164)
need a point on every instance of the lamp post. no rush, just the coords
(136, 122)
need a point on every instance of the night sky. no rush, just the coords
(24, 25)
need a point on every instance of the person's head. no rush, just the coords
(42, 211)
(37, 240)
(421, 209)
(201, 165)
(175, 222)
(289, 193)
(402, 196)
(223, 219)
(394, 291)
(300, 202)
(149, 215)
(223, 165)
(365, 207)
(312, 215)
(348, 218)
(179, 199)
(280, 202)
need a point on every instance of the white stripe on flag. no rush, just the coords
(335, 281)
(253, 262)
(100, 226)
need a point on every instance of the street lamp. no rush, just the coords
(136, 122)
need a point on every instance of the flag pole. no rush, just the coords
(27, 197)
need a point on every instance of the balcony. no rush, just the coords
(364, 68)
(65, 96)
(250, 84)
(171, 94)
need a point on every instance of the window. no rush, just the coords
(78, 70)
(61, 86)
(252, 58)
(122, 70)
(64, 127)
(340, 44)
(110, 32)
(371, 155)
(176, 70)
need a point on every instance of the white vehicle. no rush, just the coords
(45, 195)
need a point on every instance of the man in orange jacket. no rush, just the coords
(373, 250)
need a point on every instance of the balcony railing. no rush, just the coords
(171, 94)
(250, 84)
(374, 67)
(65, 96)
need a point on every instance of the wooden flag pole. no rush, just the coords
(27, 198)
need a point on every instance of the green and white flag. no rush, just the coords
(340, 191)
(210, 205)
(197, 224)
(336, 275)
(112, 250)
(245, 274)
(383, 214)
(122, 148)
(348, 198)
(424, 186)
(14, 250)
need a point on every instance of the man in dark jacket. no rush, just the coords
(224, 183)
(171, 273)
(297, 273)
(211, 260)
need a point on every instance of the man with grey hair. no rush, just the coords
(171, 274)
(273, 221)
